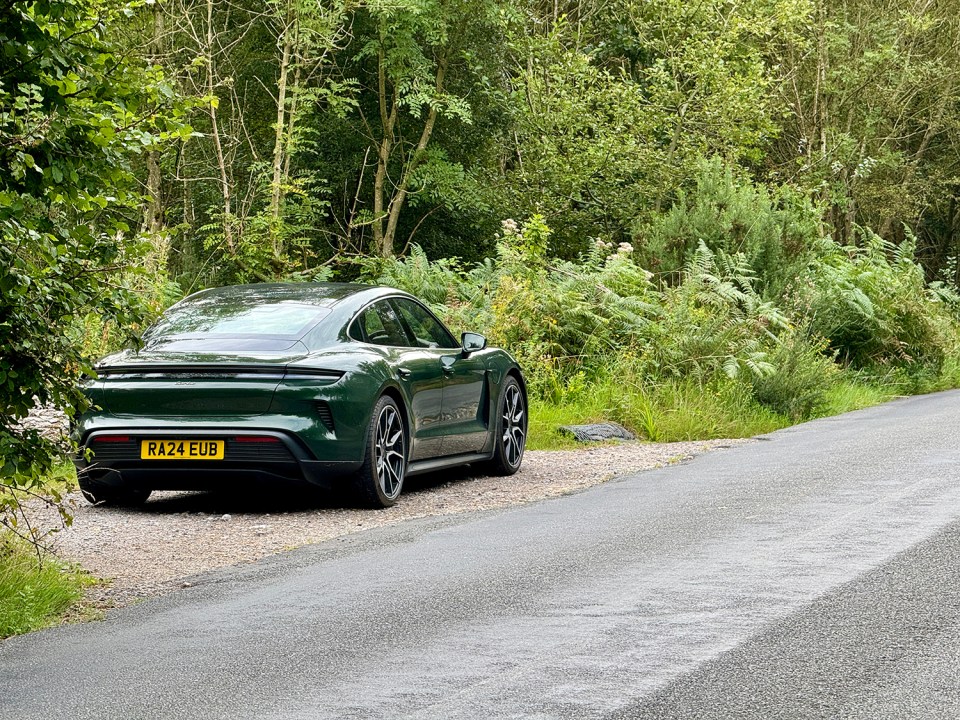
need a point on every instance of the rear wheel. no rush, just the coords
(511, 430)
(112, 496)
(380, 479)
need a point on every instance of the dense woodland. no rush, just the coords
(698, 218)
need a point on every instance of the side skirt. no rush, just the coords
(425, 466)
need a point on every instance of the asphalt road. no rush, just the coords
(813, 574)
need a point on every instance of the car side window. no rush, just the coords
(428, 332)
(379, 325)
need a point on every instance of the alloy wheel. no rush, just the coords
(389, 449)
(514, 425)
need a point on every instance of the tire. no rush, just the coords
(380, 480)
(511, 430)
(110, 496)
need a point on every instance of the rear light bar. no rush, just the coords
(223, 371)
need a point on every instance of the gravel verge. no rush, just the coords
(158, 547)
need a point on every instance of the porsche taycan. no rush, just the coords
(329, 384)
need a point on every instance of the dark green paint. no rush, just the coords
(266, 383)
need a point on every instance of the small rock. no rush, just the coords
(226, 516)
(598, 432)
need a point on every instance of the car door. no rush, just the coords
(418, 372)
(463, 413)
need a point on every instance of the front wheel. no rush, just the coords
(511, 430)
(380, 479)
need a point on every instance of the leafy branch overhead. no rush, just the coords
(74, 116)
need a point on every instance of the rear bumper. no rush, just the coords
(177, 476)
(284, 460)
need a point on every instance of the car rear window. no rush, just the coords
(277, 320)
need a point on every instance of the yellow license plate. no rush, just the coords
(181, 449)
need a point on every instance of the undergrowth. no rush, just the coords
(34, 594)
(702, 353)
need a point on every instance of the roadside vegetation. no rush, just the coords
(699, 220)
(725, 347)
(34, 595)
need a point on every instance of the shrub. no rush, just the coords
(802, 380)
(772, 231)
(873, 306)
(713, 322)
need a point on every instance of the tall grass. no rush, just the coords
(670, 411)
(33, 595)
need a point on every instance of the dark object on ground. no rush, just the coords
(598, 432)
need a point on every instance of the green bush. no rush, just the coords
(708, 354)
(732, 216)
(800, 385)
(713, 323)
(873, 306)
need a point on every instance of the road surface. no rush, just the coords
(815, 573)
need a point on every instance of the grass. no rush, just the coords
(848, 395)
(34, 595)
(675, 410)
(667, 412)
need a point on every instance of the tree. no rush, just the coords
(616, 110)
(424, 61)
(872, 87)
(72, 114)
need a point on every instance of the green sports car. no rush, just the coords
(319, 383)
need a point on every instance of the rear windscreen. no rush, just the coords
(278, 320)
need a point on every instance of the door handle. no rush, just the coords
(446, 363)
(403, 372)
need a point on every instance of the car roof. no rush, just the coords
(340, 302)
(322, 294)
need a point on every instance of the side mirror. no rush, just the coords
(472, 342)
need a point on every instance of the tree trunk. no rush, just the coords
(153, 211)
(388, 118)
(386, 240)
(279, 145)
(217, 145)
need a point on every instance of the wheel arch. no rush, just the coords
(396, 395)
(515, 373)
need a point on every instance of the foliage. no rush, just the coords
(803, 377)
(868, 114)
(873, 306)
(33, 595)
(772, 230)
(714, 322)
(72, 114)
(600, 337)
(612, 117)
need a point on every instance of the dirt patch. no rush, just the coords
(158, 547)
